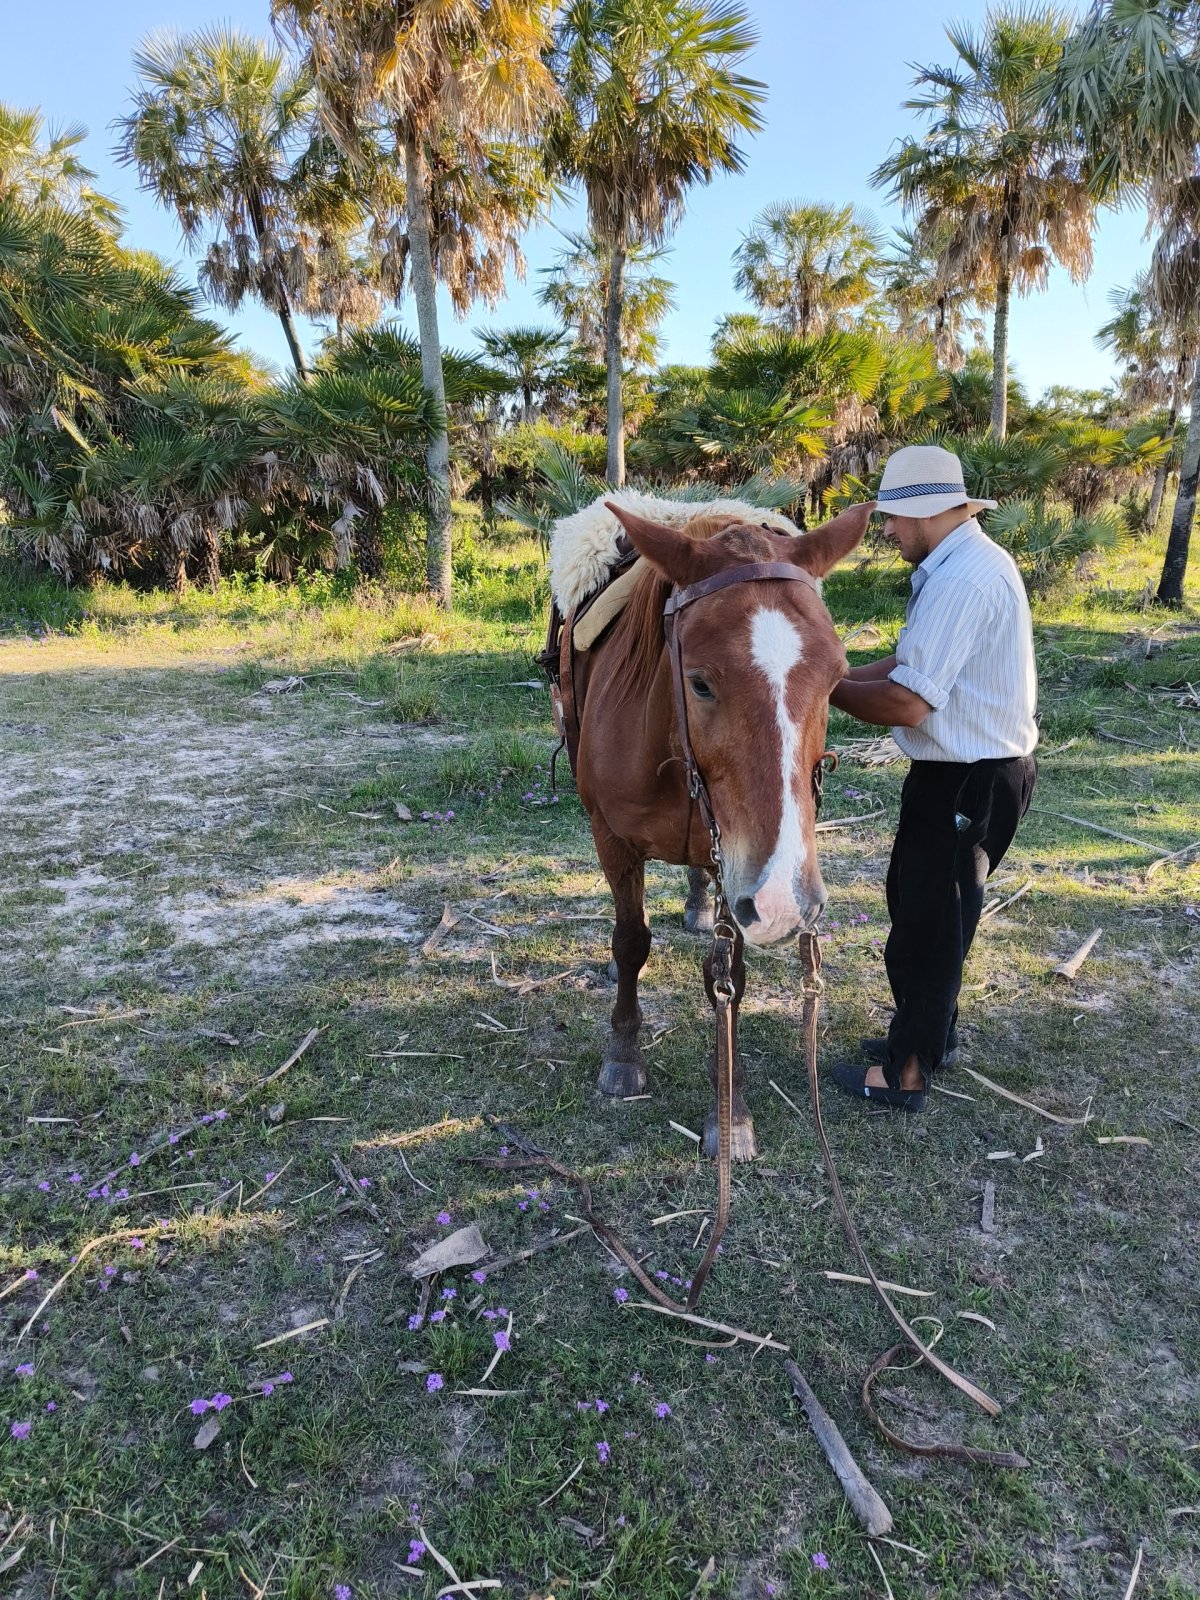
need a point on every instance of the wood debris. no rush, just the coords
(864, 1501)
(1007, 1094)
(449, 921)
(987, 1216)
(463, 1248)
(1123, 1138)
(1069, 969)
(896, 1288)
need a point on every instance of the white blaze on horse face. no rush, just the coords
(776, 647)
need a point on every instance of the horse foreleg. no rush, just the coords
(742, 1144)
(624, 1069)
(698, 907)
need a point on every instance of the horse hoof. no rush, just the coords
(742, 1143)
(698, 919)
(622, 1078)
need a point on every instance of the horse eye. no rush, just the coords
(701, 689)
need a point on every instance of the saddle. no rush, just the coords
(581, 630)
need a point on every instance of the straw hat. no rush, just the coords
(922, 480)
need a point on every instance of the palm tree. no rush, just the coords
(219, 121)
(992, 176)
(926, 301)
(1126, 89)
(653, 104)
(451, 82)
(576, 288)
(1157, 356)
(525, 354)
(38, 166)
(809, 266)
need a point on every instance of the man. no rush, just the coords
(959, 696)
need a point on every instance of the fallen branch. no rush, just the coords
(524, 986)
(1003, 905)
(1133, 1576)
(987, 1217)
(533, 1250)
(764, 1341)
(294, 1333)
(896, 1288)
(1124, 1138)
(449, 921)
(570, 1478)
(1007, 1094)
(1069, 969)
(356, 1191)
(339, 1305)
(93, 1244)
(1095, 827)
(864, 1501)
(1175, 855)
(849, 822)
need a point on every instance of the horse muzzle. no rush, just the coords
(774, 911)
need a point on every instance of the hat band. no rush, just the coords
(912, 491)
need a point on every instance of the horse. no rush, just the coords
(735, 726)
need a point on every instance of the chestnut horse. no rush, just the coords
(759, 660)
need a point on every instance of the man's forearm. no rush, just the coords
(872, 671)
(880, 701)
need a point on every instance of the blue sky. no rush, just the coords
(836, 75)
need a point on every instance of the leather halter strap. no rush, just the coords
(748, 572)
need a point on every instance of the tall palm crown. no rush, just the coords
(810, 266)
(653, 103)
(452, 82)
(576, 288)
(926, 301)
(1128, 88)
(218, 123)
(993, 173)
(40, 165)
(526, 355)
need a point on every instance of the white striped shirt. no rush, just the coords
(966, 648)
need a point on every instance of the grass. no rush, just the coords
(194, 872)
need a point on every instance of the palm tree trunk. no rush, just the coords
(527, 403)
(1170, 585)
(612, 357)
(438, 571)
(210, 559)
(283, 308)
(1000, 346)
(177, 562)
(366, 541)
(1160, 476)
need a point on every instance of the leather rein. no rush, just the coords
(724, 996)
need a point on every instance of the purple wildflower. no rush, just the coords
(771, 1589)
(601, 1406)
(109, 1272)
(444, 1218)
(199, 1407)
(449, 1294)
(504, 1147)
(416, 1549)
(522, 1205)
(76, 1177)
(501, 1341)
(286, 1377)
(821, 1561)
(603, 1451)
(414, 1322)
(364, 1183)
(31, 1274)
(434, 1382)
(620, 1296)
(710, 1356)
(25, 1370)
(44, 1186)
(268, 1388)
(137, 1244)
(220, 1401)
(172, 1138)
(20, 1430)
(341, 1592)
(479, 1277)
(437, 1316)
(221, 1115)
(662, 1410)
(135, 1160)
(662, 1276)
(51, 1405)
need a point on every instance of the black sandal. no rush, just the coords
(852, 1077)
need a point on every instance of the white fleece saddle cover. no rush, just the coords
(583, 546)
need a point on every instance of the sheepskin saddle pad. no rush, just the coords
(583, 550)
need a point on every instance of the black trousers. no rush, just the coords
(940, 863)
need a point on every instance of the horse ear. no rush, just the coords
(820, 551)
(680, 559)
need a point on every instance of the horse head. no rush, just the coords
(759, 660)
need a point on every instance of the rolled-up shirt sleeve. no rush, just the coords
(943, 632)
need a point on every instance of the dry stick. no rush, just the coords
(1095, 827)
(1007, 1094)
(1133, 1576)
(500, 1349)
(848, 822)
(568, 1479)
(339, 1307)
(1003, 905)
(896, 1288)
(352, 1184)
(442, 1562)
(1070, 968)
(1176, 855)
(891, 1594)
(864, 1501)
(294, 1333)
(469, 1588)
(533, 1250)
(717, 1327)
(412, 1174)
(987, 1218)
(93, 1244)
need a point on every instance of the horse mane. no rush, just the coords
(640, 632)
